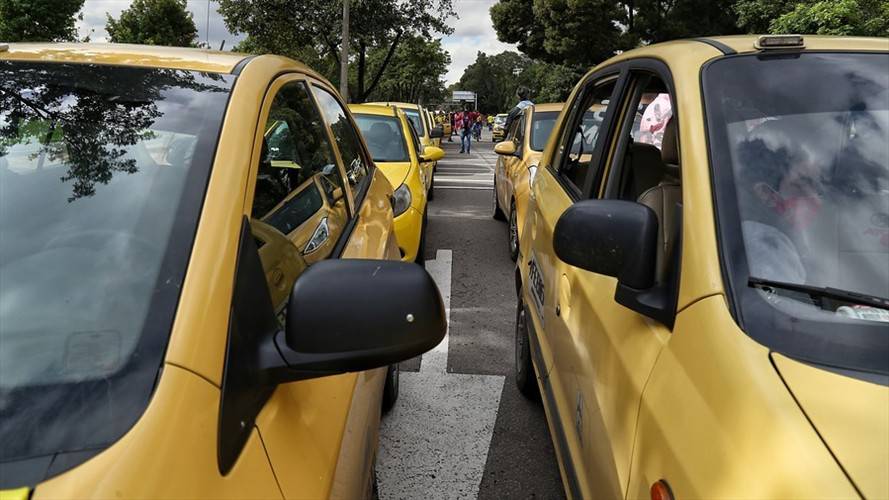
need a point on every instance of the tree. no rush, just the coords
(585, 32)
(415, 74)
(154, 22)
(289, 27)
(822, 17)
(39, 20)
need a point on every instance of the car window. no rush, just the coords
(415, 137)
(299, 210)
(346, 137)
(384, 137)
(519, 134)
(541, 127)
(414, 116)
(575, 155)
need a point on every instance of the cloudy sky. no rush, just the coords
(472, 30)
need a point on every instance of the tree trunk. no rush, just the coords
(362, 59)
(389, 54)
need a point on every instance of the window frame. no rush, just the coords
(616, 73)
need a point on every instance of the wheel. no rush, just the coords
(498, 214)
(390, 389)
(431, 195)
(421, 248)
(524, 368)
(513, 233)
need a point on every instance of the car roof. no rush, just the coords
(373, 109)
(549, 106)
(149, 56)
(407, 105)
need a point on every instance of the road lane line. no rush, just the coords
(434, 443)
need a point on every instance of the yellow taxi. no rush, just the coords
(704, 275)
(397, 152)
(427, 133)
(519, 153)
(188, 300)
(498, 132)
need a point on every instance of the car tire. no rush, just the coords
(390, 388)
(512, 233)
(498, 213)
(525, 378)
(421, 247)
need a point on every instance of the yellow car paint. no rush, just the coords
(425, 140)
(703, 406)
(16, 494)
(315, 438)
(511, 175)
(409, 225)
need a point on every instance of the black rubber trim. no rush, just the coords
(725, 49)
(240, 66)
(560, 437)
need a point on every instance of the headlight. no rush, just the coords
(401, 200)
(322, 232)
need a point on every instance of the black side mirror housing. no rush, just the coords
(619, 239)
(436, 132)
(349, 315)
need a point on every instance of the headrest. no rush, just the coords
(670, 143)
(648, 170)
(379, 133)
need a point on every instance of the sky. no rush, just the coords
(473, 31)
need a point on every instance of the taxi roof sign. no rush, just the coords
(767, 42)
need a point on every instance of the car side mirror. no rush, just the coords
(436, 132)
(347, 315)
(505, 148)
(432, 153)
(619, 239)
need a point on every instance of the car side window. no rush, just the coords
(298, 210)
(520, 130)
(415, 138)
(580, 137)
(352, 152)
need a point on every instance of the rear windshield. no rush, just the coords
(541, 126)
(102, 175)
(384, 137)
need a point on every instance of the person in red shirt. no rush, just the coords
(467, 120)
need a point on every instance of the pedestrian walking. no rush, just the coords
(467, 119)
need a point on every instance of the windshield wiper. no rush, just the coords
(822, 292)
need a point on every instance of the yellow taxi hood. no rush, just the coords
(395, 171)
(852, 417)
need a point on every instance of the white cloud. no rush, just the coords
(211, 29)
(473, 33)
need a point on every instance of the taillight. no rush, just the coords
(660, 490)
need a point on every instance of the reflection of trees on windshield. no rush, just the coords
(87, 117)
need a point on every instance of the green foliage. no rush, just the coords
(38, 20)
(835, 17)
(415, 73)
(585, 32)
(298, 27)
(154, 22)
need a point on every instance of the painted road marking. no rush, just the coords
(434, 443)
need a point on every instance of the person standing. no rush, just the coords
(467, 118)
(524, 101)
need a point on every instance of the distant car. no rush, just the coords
(519, 154)
(499, 131)
(397, 152)
(428, 134)
(195, 300)
(703, 278)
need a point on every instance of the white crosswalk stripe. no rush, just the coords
(466, 171)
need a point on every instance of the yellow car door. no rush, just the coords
(303, 424)
(506, 166)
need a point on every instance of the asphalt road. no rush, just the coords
(460, 428)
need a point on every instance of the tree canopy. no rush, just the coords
(154, 22)
(39, 20)
(415, 71)
(821, 17)
(300, 28)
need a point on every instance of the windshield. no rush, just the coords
(801, 146)
(414, 116)
(541, 125)
(384, 137)
(102, 173)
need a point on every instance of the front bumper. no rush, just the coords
(408, 231)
